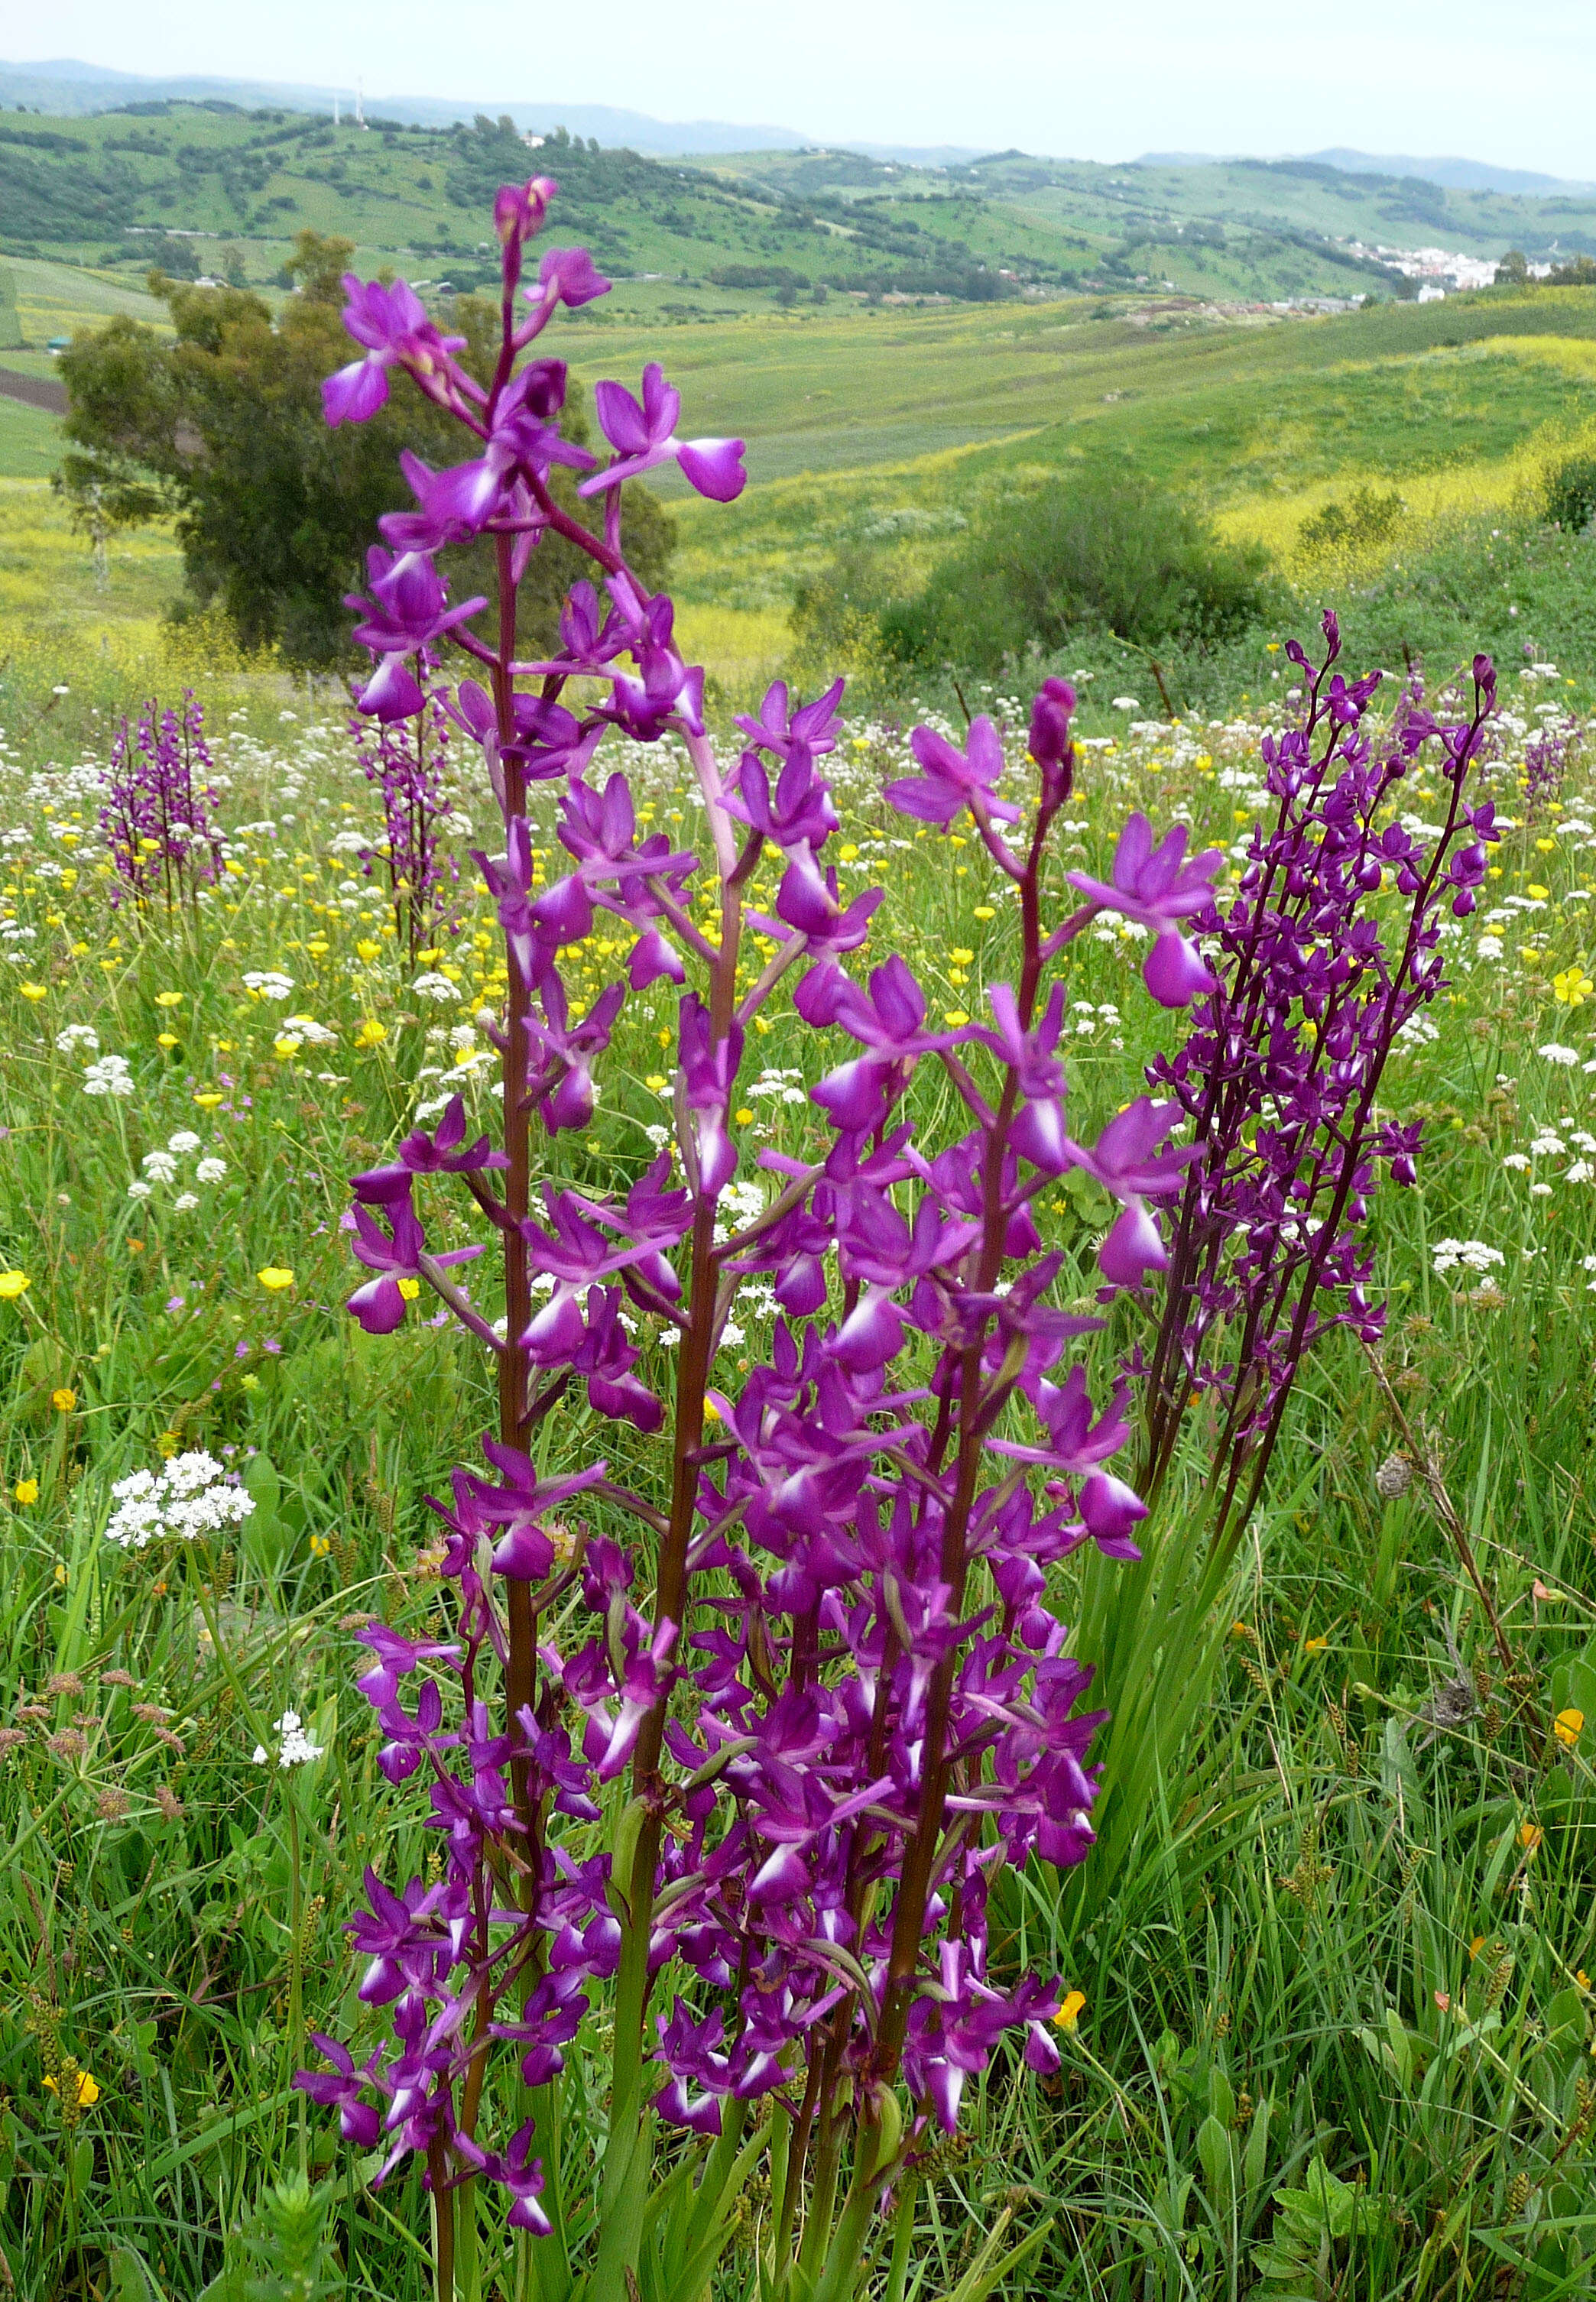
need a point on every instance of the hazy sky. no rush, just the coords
(1512, 81)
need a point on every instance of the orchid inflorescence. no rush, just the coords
(761, 1812)
(158, 817)
(1281, 1072)
(407, 760)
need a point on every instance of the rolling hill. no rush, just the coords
(206, 186)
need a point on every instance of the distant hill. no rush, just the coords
(70, 90)
(1452, 175)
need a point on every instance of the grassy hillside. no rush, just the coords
(723, 235)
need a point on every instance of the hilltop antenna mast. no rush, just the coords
(336, 123)
(359, 104)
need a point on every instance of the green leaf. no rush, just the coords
(1219, 2173)
(130, 2277)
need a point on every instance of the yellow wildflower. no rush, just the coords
(169, 998)
(63, 1401)
(86, 2087)
(208, 1100)
(1574, 986)
(166, 1038)
(1070, 2013)
(33, 991)
(273, 1279)
(371, 1033)
(26, 1492)
(13, 1283)
(368, 950)
(1568, 1726)
(1530, 1834)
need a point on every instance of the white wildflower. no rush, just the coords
(434, 987)
(210, 1170)
(76, 1036)
(110, 1076)
(184, 1141)
(185, 1203)
(1546, 1142)
(1518, 1161)
(190, 1496)
(1580, 1172)
(294, 1745)
(1552, 1053)
(268, 983)
(160, 1166)
(1472, 1254)
(312, 1034)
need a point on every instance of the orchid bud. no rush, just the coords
(519, 209)
(1050, 745)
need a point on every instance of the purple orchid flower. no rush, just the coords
(421, 1154)
(952, 780)
(378, 1306)
(566, 276)
(645, 435)
(392, 323)
(408, 612)
(1156, 887)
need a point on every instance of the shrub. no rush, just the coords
(1107, 551)
(1570, 492)
(1366, 520)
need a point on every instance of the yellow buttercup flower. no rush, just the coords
(209, 1101)
(371, 1033)
(33, 991)
(165, 1039)
(273, 1279)
(320, 1545)
(85, 2087)
(12, 1284)
(368, 950)
(1070, 2013)
(1530, 1834)
(26, 1492)
(63, 1401)
(1572, 988)
(1568, 1726)
(169, 998)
